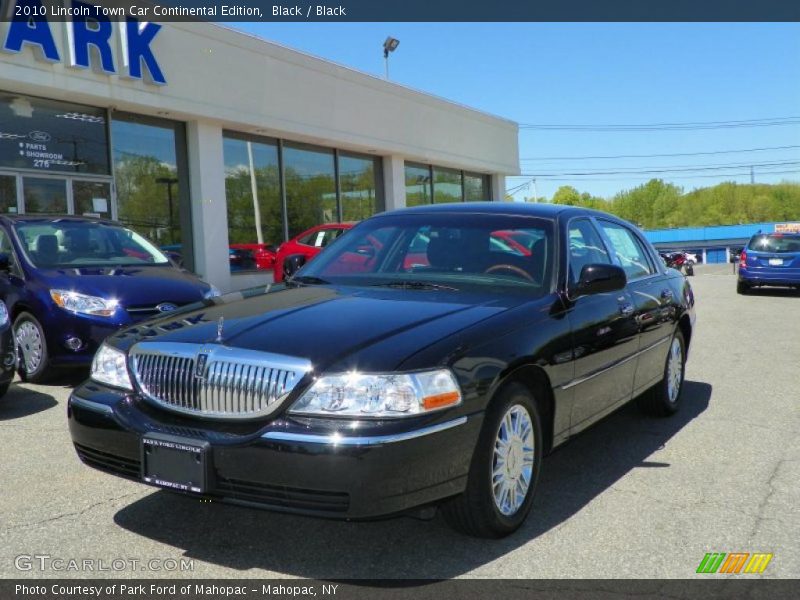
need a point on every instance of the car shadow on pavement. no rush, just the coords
(21, 402)
(244, 539)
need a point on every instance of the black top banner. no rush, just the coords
(408, 10)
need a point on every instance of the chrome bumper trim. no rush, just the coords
(374, 440)
(89, 405)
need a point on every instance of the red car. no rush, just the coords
(263, 254)
(309, 243)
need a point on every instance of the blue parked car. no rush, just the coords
(770, 259)
(69, 282)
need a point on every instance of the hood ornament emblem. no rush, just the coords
(220, 327)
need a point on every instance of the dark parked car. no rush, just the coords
(362, 393)
(770, 259)
(69, 282)
(8, 356)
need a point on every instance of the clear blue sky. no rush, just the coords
(589, 74)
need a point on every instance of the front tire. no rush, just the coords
(32, 349)
(664, 398)
(505, 468)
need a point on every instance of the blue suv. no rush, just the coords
(69, 282)
(770, 259)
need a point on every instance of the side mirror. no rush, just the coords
(5, 263)
(600, 278)
(292, 264)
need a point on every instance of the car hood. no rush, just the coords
(336, 328)
(132, 286)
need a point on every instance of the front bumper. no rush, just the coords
(288, 465)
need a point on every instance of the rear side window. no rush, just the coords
(775, 243)
(628, 249)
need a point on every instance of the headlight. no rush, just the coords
(379, 395)
(3, 314)
(110, 367)
(82, 303)
(212, 293)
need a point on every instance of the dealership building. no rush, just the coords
(201, 137)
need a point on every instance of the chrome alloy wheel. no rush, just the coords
(512, 462)
(674, 370)
(29, 340)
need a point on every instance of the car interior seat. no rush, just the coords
(45, 249)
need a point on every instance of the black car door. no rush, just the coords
(604, 332)
(652, 298)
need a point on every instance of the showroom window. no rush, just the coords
(253, 190)
(426, 184)
(419, 188)
(477, 187)
(151, 177)
(310, 180)
(446, 185)
(360, 186)
(50, 136)
(320, 185)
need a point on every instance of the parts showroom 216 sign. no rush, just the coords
(29, 27)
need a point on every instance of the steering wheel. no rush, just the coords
(516, 270)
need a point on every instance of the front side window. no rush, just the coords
(61, 244)
(453, 250)
(585, 248)
(628, 249)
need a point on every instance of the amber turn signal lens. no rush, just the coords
(440, 400)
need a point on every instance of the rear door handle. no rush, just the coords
(626, 309)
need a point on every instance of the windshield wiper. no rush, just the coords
(308, 279)
(416, 285)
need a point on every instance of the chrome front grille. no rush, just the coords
(210, 380)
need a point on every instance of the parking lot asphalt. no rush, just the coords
(632, 497)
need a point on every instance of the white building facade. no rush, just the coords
(203, 138)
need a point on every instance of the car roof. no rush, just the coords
(522, 209)
(55, 218)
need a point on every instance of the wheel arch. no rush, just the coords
(534, 378)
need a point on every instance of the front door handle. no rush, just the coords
(626, 309)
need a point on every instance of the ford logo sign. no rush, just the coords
(166, 307)
(39, 136)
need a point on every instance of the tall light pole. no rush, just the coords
(390, 45)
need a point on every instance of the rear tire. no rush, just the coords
(4, 388)
(663, 399)
(32, 349)
(505, 468)
(742, 288)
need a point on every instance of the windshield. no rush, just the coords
(439, 250)
(775, 243)
(68, 243)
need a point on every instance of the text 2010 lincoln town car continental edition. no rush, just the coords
(419, 359)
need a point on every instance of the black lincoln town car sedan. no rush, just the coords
(430, 355)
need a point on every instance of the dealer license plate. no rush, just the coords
(776, 262)
(174, 462)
